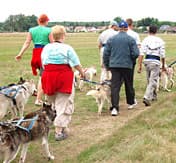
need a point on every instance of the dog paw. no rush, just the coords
(51, 157)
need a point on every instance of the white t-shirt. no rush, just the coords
(105, 35)
(135, 35)
(153, 45)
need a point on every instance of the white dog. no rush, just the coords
(166, 78)
(102, 94)
(89, 74)
(15, 97)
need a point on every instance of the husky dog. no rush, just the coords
(166, 78)
(101, 94)
(20, 132)
(89, 74)
(15, 97)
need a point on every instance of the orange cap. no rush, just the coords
(43, 18)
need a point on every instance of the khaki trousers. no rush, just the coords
(64, 106)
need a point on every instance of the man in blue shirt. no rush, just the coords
(119, 54)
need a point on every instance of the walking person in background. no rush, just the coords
(119, 54)
(135, 35)
(40, 36)
(154, 49)
(104, 36)
(58, 59)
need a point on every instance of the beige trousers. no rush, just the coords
(64, 106)
(105, 74)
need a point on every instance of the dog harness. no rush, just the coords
(11, 126)
(11, 92)
(18, 122)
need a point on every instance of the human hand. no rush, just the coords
(82, 74)
(139, 70)
(18, 57)
(164, 68)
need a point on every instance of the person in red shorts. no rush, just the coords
(58, 60)
(40, 35)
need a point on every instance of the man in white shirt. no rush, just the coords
(136, 37)
(102, 39)
(154, 49)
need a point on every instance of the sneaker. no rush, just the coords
(114, 112)
(60, 136)
(146, 102)
(133, 105)
(38, 102)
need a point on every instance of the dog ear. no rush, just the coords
(46, 104)
(21, 80)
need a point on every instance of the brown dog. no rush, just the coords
(21, 132)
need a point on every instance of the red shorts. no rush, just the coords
(57, 78)
(36, 60)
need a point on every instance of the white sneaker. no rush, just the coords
(114, 112)
(38, 102)
(133, 105)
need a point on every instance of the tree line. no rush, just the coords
(22, 23)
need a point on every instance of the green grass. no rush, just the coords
(148, 138)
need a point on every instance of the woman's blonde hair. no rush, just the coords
(58, 31)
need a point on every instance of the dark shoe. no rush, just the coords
(110, 109)
(146, 102)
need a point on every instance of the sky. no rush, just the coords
(91, 10)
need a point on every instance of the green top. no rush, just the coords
(40, 35)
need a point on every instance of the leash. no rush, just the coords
(89, 81)
(171, 64)
(106, 82)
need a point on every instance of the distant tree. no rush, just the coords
(19, 23)
(147, 22)
(118, 19)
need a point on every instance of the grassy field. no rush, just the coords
(146, 135)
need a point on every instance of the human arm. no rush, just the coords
(134, 50)
(51, 38)
(163, 64)
(106, 54)
(24, 47)
(79, 68)
(140, 58)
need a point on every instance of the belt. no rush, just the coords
(152, 57)
(38, 46)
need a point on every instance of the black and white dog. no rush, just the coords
(20, 132)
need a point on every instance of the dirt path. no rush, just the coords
(91, 130)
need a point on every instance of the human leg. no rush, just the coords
(115, 87)
(39, 93)
(64, 105)
(129, 90)
(152, 77)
